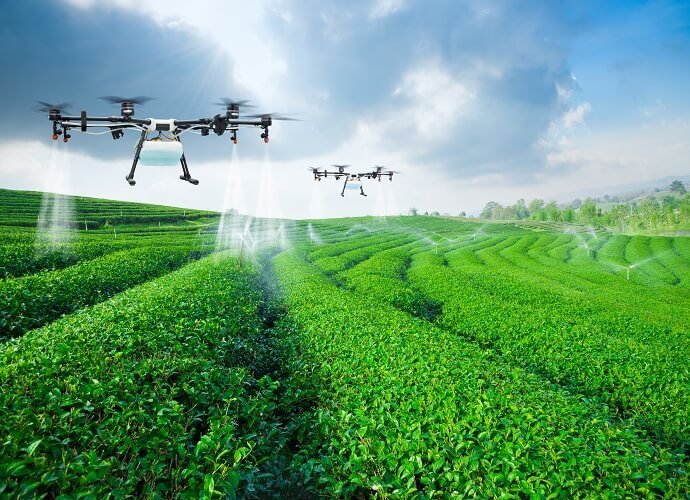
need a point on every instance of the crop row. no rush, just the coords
(637, 366)
(469, 310)
(31, 301)
(143, 395)
(406, 408)
(534, 271)
(24, 258)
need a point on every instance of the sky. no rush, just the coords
(470, 100)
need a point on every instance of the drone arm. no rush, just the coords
(246, 122)
(77, 121)
(184, 124)
(99, 125)
(208, 121)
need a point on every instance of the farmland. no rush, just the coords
(396, 357)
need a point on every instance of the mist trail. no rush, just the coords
(248, 233)
(268, 228)
(232, 220)
(55, 228)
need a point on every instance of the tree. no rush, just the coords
(413, 211)
(678, 187)
(568, 215)
(463, 214)
(588, 210)
(435, 214)
(521, 210)
(489, 211)
(552, 212)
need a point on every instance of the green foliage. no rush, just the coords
(408, 356)
(406, 408)
(140, 395)
(678, 187)
(31, 301)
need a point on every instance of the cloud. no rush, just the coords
(433, 100)
(385, 8)
(576, 115)
(471, 101)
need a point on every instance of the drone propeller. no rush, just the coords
(275, 116)
(340, 166)
(226, 101)
(127, 103)
(46, 107)
(113, 99)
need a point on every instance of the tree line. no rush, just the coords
(646, 212)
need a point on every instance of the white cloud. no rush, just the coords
(433, 100)
(576, 115)
(385, 8)
(237, 28)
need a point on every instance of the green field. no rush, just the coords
(388, 357)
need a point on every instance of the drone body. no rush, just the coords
(159, 142)
(353, 181)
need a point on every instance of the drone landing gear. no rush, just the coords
(137, 151)
(185, 172)
(361, 190)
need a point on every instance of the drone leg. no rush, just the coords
(140, 144)
(342, 193)
(361, 190)
(185, 171)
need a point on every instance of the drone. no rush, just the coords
(354, 180)
(159, 142)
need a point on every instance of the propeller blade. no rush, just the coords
(276, 116)
(114, 99)
(227, 101)
(45, 107)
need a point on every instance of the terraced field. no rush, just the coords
(411, 356)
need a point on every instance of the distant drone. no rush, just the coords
(354, 180)
(165, 148)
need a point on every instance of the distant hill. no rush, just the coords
(23, 208)
(623, 191)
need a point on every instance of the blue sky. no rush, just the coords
(473, 101)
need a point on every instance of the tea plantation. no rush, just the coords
(398, 357)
